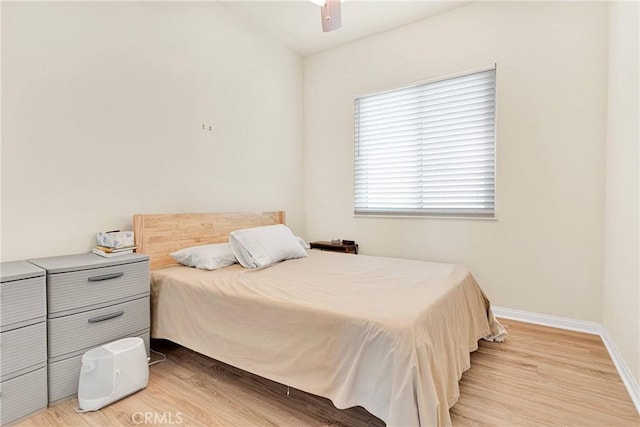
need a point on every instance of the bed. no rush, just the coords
(392, 335)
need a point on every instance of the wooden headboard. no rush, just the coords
(157, 235)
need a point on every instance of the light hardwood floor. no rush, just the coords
(539, 376)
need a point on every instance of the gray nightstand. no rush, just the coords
(91, 301)
(23, 334)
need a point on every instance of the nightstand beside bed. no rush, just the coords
(335, 247)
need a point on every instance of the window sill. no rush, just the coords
(400, 216)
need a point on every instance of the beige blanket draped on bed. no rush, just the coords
(389, 334)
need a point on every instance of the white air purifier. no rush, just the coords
(111, 372)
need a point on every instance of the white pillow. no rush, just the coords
(262, 246)
(206, 257)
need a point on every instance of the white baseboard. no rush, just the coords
(628, 379)
(549, 320)
(623, 369)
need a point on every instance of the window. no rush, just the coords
(427, 149)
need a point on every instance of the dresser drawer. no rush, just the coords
(82, 331)
(23, 350)
(23, 302)
(23, 395)
(65, 374)
(83, 290)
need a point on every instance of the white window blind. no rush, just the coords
(427, 149)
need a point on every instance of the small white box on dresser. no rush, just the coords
(91, 301)
(23, 334)
(115, 239)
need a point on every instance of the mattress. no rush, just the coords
(392, 335)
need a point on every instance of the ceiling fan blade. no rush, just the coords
(331, 15)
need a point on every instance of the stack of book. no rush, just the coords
(114, 243)
(108, 252)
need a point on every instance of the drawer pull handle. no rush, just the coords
(106, 317)
(106, 277)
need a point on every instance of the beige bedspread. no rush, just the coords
(389, 334)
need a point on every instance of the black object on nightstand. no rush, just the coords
(346, 246)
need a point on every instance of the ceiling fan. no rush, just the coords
(330, 12)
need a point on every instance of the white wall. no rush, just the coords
(544, 252)
(103, 106)
(621, 301)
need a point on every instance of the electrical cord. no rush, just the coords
(164, 357)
